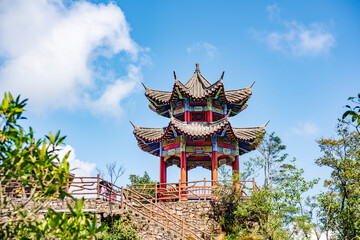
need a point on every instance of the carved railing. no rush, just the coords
(143, 198)
(128, 198)
(195, 190)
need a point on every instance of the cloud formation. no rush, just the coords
(203, 47)
(77, 167)
(305, 129)
(47, 54)
(296, 38)
(273, 11)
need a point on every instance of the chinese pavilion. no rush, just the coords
(199, 133)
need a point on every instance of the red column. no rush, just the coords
(235, 164)
(209, 116)
(183, 167)
(235, 167)
(162, 172)
(187, 117)
(214, 166)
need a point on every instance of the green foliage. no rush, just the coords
(278, 211)
(289, 195)
(123, 229)
(31, 168)
(135, 179)
(147, 190)
(339, 207)
(353, 112)
(255, 216)
(259, 216)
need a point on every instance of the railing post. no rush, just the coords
(166, 223)
(131, 198)
(150, 210)
(182, 228)
(156, 192)
(179, 190)
(122, 197)
(98, 186)
(204, 189)
(127, 198)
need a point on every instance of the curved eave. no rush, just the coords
(238, 95)
(246, 134)
(229, 97)
(198, 129)
(147, 137)
(151, 134)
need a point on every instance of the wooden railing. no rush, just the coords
(181, 191)
(128, 198)
(195, 190)
(143, 198)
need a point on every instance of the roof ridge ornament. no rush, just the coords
(144, 86)
(197, 67)
(222, 75)
(249, 87)
(175, 75)
(263, 126)
(135, 127)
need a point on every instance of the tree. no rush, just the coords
(114, 172)
(31, 170)
(291, 200)
(277, 211)
(340, 206)
(145, 179)
(146, 187)
(270, 159)
(353, 112)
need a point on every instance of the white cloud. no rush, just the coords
(296, 38)
(115, 92)
(48, 52)
(209, 49)
(77, 167)
(305, 129)
(274, 12)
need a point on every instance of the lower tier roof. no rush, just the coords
(198, 129)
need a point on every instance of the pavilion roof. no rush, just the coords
(198, 88)
(198, 129)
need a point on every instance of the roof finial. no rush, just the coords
(263, 126)
(135, 127)
(144, 86)
(197, 67)
(222, 75)
(251, 85)
(174, 75)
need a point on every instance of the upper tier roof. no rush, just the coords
(198, 88)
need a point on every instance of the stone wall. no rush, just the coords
(196, 213)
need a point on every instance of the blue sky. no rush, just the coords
(81, 65)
